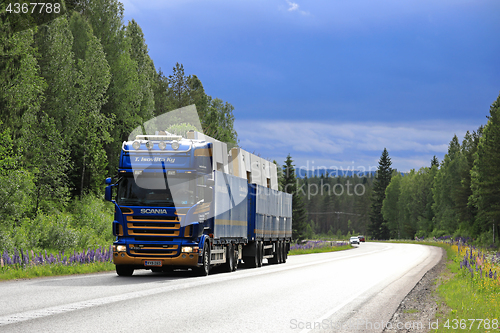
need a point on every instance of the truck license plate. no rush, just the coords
(152, 263)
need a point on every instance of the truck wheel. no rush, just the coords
(229, 265)
(122, 270)
(205, 268)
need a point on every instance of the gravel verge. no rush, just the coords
(418, 310)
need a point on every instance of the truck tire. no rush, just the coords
(229, 265)
(123, 270)
(204, 269)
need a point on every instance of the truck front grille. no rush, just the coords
(153, 226)
(154, 249)
(151, 233)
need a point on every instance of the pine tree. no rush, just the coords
(434, 161)
(378, 228)
(299, 213)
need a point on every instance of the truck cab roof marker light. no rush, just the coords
(125, 146)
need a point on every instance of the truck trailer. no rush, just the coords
(191, 203)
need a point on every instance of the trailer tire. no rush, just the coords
(275, 259)
(123, 270)
(229, 265)
(252, 261)
(280, 252)
(235, 256)
(284, 252)
(204, 269)
(260, 254)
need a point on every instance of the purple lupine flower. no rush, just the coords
(491, 274)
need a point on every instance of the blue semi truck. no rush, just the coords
(189, 203)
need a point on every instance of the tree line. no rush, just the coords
(72, 88)
(459, 196)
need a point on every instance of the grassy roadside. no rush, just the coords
(470, 299)
(29, 272)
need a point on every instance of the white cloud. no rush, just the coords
(410, 146)
(293, 6)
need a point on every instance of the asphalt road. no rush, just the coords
(349, 291)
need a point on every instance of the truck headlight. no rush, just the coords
(175, 145)
(136, 145)
(190, 249)
(120, 248)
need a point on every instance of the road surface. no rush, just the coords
(356, 290)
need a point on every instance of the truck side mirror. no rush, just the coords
(107, 193)
(208, 194)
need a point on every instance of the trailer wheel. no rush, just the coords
(280, 252)
(205, 268)
(235, 256)
(284, 252)
(123, 270)
(229, 265)
(260, 254)
(275, 259)
(252, 261)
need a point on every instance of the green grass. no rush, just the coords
(12, 272)
(319, 250)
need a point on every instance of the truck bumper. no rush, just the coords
(184, 259)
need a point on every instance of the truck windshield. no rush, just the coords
(153, 190)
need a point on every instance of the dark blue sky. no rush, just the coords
(335, 81)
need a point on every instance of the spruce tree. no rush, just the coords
(378, 228)
(299, 213)
(485, 182)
